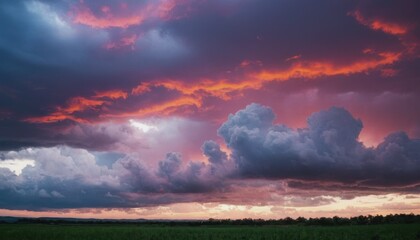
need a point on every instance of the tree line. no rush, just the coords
(321, 221)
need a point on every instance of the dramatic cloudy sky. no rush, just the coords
(209, 108)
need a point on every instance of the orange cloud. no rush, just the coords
(140, 89)
(377, 24)
(76, 104)
(224, 89)
(170, 106)
(54, 117)
(220, 88)
(304, 69)
(111, 94)
(193, 94)
(165, 108)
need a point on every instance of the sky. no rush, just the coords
(196, 109)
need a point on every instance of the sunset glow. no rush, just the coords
(167, 109)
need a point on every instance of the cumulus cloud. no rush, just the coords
(324, 156)
(170, 165)
(66, 176)
(191, 178)
(328, 149)
(74, 178)
(397, 160)
(64, 57)
(212, 150)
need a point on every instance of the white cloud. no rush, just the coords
(143, 126)
(47, 15)
(16, 165)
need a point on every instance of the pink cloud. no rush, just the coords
(84, 15)
(125, 16)
(127, 41)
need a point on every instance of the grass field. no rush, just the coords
(121, 232)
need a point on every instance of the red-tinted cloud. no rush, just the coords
(378, 24)
(192, 94)
(76, 104)
(84, 15)
(400, 21)
(123, 15)
(302, 69)
(112, 94)
(79, 104)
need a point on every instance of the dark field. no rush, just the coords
(131, 231)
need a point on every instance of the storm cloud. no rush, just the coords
(327, 150)
(109, 104)
(176, 58)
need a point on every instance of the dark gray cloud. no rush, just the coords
(397, 160)
(259, 30)
(48, 58)
(212, 150)
(169, 166)
(325, 156)
(327, 150)
(195, 177)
